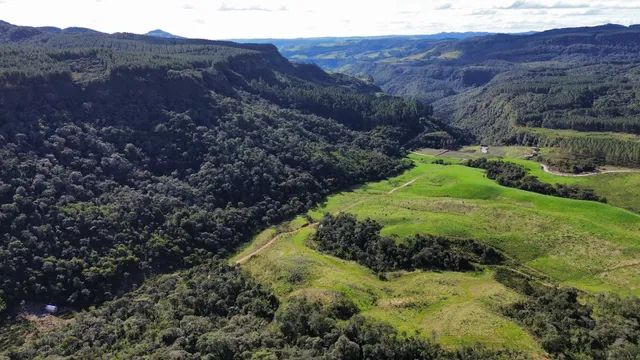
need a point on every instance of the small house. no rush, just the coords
(484, 149)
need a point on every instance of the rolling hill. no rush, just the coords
(547, 242)
(332, 53)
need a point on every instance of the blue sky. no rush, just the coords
(226, 19)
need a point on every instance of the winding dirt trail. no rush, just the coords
(401, 186)
(246, 258)
(269, 243)
(548, 170)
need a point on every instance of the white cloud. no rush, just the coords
(483, 12)
(224, 19)
(590, 12)
(251, 6)
(525, 5)
(446, 6)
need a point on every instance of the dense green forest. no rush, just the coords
(125, 156)
(590, 147)
(345, 237)
(130, 166)
(499, 87)
(215, 312)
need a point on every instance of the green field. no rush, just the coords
(592, 246)
(577, 243)
(453, 308)
(620, 189)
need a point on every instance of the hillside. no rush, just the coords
(503, 291)
(125, 156)
(174, 198)
(553, 251)
(499, 86)
(461, 202)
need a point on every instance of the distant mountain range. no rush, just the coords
(333, 52)
(353, 39)
(507, 88)
(14, 32)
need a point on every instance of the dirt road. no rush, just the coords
(246, 258)
(546, 169)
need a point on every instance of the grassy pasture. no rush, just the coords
(453, 308)
(620, 189)
(578, 243)
(594, 247)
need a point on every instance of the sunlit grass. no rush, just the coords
(569, 242)
(454, 308)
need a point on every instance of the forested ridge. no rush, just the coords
(125, 156)
(501, 86)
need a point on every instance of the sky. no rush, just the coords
(253, 19)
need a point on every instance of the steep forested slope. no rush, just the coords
(123, 156)
(583, 79)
